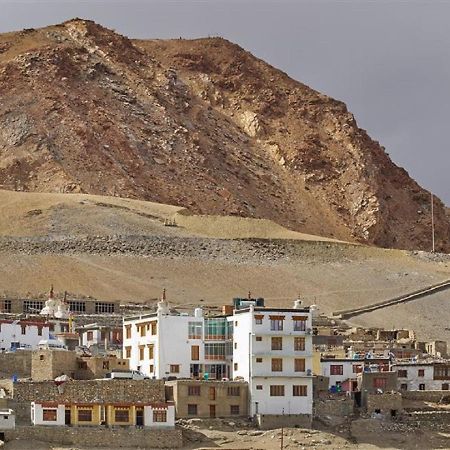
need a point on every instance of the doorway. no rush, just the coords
(212, 411)
(139, 417)
(67, 416)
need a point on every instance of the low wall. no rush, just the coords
(339, 405)
(99, 437)
(16, 363)
(427, 396)
(385, 403)
(271, 421)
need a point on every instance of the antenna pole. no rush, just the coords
(432, 224)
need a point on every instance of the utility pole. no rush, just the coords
(432, 223)
(282, 430)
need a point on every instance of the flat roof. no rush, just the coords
(263, 309)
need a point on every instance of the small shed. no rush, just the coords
(7, 419)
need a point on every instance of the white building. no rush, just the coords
(272, 350)
(101, 337)
(22, 333)
(7, 419)
(167, 345)
(343, 372)
(432, 376)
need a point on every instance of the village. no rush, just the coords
(142, 374)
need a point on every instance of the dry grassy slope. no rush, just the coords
(334, 276)
(200, 124)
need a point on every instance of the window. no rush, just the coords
(122, 415)
(215, 351)
(235, 345)
(23, 329)
(30, 306)
(151, 350)
(77, 307)
(192, 410)
(174, 368)
(445, 386)
(234, 410)
(212, 393)
(300, 323)
(259, 360)
(441, 372)
(142, 330)
(6, 306)
(49, 415)
(90, 335)
(299, 364)
(421, 373)
(259, 319)
(195, 330)
(258, 338)
(357, 368)
(421, 387)
(41, 357)
(402, 373)
(299, 391)
(379, 383)
(277, 343)
(299, 344)
(128, 331)
(277, 364)
(235, 365)
(85, 415)
(277, 390)
(233, 391)
(404, 387)
(195, 353)
(276, 323)
(160, 415)
(127, 352)
(141, 352)
(154, 328)
(39, 331)
(259, 387)
(104, 307)
(194, 390)
(216, 329)
(336, 369)
(106, 365)
(82, 365)
(151, 368)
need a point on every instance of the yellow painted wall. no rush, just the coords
(96, 415)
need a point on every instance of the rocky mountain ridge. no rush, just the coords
(201, 124)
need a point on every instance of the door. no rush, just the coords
(212, 393)
(67, 417)
(139, 417)
(212, 410)
(195, 353)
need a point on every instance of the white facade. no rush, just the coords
(164, 345)
(265, 350)
(22, 333)
(419, 377)
(350, 369)
(7, 419)
(48, 415)
(149, 417)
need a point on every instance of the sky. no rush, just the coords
(389, 61)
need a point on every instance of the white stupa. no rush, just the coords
(55, 307)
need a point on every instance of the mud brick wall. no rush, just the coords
(340, 406)
(15, 363)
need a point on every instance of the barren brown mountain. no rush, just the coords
(201, 124)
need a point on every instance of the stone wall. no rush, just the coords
(384, 403)
(427, 396)
(99, 437)
(334, 405)
(81, 391)
(49, 364)
(15, 363)
(272, 421)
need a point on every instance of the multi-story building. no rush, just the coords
(173, 345)
(423, 376)
(272, 351)
(99, 337)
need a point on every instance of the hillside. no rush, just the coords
(115, 248)
(198, 124)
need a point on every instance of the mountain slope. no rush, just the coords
(201, 124)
